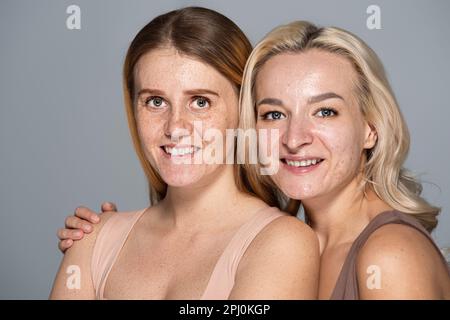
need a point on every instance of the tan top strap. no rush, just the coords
(110, 241)
(115, 231)
(347, 284)
(222, 278)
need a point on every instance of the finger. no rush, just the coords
(108, 206)
(70, 234)
(87, 214)
(61, 247)
(77, 223)
(65, 244)
(61, 234)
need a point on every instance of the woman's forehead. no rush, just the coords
(168, 68)
(309, 73)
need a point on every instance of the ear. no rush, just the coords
(371, 136)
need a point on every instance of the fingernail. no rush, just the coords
(87, 228)
(95, 218)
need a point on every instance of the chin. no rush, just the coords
(300, 195)
(296, 190)
(181, 178)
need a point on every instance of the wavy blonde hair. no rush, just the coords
(383, 169)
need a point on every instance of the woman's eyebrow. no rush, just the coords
(150, 91)
(200, 91)
(271, 101)
(324, 96)
(313, 99)
(187, 92)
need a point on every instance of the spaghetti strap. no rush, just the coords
(347, 284)
(109, 242)
(222, 278)
(115, 231)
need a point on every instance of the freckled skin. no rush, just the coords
(339, 139)
(174, 74)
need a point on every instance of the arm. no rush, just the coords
(398, 262)
(74, 280)
(79, 224)
(282, 262)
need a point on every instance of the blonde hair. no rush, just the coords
(383, 170)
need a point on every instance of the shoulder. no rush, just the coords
(88, 241)
(76, 266)
(81, 251)
(397, 244)
(287, 233)
(399, 261)
(282, 262)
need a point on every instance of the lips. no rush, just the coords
(179, 150)
(300, 165)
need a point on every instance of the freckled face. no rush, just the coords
(172, 92)
(310, 98)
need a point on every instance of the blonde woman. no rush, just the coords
(343, 143)
(192, 242)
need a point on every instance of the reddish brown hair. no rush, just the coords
(196, 32)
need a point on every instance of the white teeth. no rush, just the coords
(179, 151)
(303, 163)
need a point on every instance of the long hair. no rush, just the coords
(196, 32)
(383, 169)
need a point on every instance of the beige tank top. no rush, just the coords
(347, 284)
(115, 231)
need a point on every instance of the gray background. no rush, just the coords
(64, 139)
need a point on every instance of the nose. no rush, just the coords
(298, 134)
(177, 125)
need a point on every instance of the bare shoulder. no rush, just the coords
(88, 241)
(282, 262)
(392, 243)
(73, 279)
(287, 232)
(104, 217)
(402, 263)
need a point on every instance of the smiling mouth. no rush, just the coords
(302, 163)
(179, 151)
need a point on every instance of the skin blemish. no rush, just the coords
(293, 79)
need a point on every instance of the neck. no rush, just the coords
(340, 217)
(212, 202)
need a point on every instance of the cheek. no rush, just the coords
(230, 116)
(150, 131)
(215, 120)
(222, 115)
(344, 147)
(230, 111)
(274, 133)
(269, 145)
(149, 127)
(210, 128)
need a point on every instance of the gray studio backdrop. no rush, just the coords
(64, 139)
